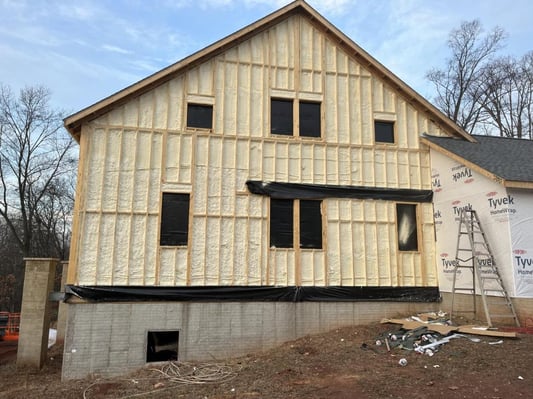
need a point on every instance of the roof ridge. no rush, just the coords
(73, 122)
(491, 136)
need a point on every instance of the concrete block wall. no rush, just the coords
(464, 306)
(110, 338)
(35, 312)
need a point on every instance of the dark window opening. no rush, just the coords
(310, 224)
(281, 223)
(174, 219)
(310, 119)
(200, 116)
(281, 117)
(384, 132)
(407, 227)
(162, 346)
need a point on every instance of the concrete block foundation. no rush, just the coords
(464, 306)
(111, 338)
(35, 312)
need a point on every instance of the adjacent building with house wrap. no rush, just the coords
(268, 186)
(493, 176)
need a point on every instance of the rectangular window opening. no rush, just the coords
(200, 116)
(407, 227)
(310, 224)
(281, 223)
(174, 219)
(281, 117)
(162, 346)
(309, 119)
(384, 131)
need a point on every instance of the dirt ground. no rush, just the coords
(343, 363)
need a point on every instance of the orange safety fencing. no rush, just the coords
(9, 325)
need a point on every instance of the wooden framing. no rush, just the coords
(135, 145)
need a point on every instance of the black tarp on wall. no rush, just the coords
(322, 191)
(253, 294)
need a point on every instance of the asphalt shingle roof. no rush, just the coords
(510, 159)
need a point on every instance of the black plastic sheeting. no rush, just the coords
(200, 116)
(322, 191)
(310, 224)
(254, 294)
(174, 219)
(282, 223)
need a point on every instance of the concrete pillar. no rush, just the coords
(35, 312)
(62, 311)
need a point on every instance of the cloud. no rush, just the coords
(115, 49)
(272, 3)
(408, 38)
(206, 4)
(332, 7)
(79, 11)
(147, 66)
(36, 35)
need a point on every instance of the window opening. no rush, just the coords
(309, 119)
(407, 227)
(310, 224)
(162, 346)
(384, 131)
(281, 223)
(174, 219)
(281, 117)
(200, 116)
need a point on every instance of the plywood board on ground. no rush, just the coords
(445, 329)
(412, 324)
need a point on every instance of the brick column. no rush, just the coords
(35, 312)
(62, 311)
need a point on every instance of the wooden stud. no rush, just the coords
(335, 173)
(79, 206)
(296, 243)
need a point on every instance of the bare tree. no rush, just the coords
(459, 86)
(508, 91)
(35, 155)
(11, 274)
(54, 218)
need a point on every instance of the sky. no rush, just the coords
(86, 50)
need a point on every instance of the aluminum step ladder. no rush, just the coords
(474, 253)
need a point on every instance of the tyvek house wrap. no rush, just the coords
(506, 217)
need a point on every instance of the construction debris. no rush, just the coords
(427, 332)
(438, 322)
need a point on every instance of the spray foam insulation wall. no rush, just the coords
(143, 148)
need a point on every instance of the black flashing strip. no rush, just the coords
(322, 191)
(254, 294)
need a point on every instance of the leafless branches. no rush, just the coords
(36, 163)
(460, 91)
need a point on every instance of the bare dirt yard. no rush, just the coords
(343, 363)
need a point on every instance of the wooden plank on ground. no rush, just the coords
(445, 329)
(484, 331)
(412, 324)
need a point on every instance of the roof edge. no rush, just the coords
(389, 76)
(518, 184)
(493, 177)
(73, 122)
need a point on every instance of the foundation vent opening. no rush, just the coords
(162, 346)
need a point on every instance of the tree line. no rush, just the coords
(480, 90)
(37, 177)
